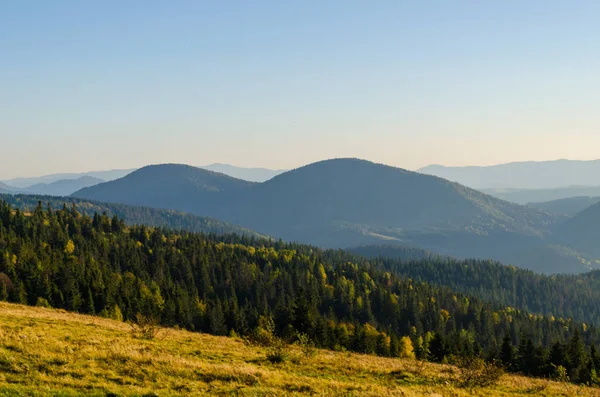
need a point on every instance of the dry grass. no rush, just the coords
(54, 353)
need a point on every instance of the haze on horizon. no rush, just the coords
(106, 85)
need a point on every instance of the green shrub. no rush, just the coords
(306, 345)
(42, 302)
(476, 372)
(279, 352)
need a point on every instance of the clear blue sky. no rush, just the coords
(88, 85)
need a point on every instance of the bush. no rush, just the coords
(264, 334)
(278, 352)
(41, 302)
(306, 345)
(560, 374)
(144, 327)
(475, 372)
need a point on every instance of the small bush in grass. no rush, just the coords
(561, 374)
(264, 334)
(306, 345)
(279, 352)
(475, 372)
(42, 302)
(144, 327)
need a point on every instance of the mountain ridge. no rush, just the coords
(140, 187)
(343, 203)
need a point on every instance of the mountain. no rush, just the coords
(109, 175)
(131, 215)
(62, 187)
(581, 232)
(345, 203)
(170, 186)
(247, 174)
(525, 196)
(567, 206)
(522, 175)
(316, 202)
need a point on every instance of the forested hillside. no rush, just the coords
(131, 215)
(566, 296)
(98, 265)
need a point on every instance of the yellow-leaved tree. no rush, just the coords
(406, 349)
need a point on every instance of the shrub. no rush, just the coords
(560, 373)
(144, 327)
(306, 345)
(475, 372)
(278, 352)
(264, 334)
(41, 302)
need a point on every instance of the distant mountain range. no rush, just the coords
(66, 184)
(23, 183)
(525, 196)
(350, 202)
(522, 175)
(247, 174)
(62, 187)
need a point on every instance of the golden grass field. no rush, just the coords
(46, 352)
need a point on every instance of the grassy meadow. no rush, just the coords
(45, 352)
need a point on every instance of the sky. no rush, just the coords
(93, 85)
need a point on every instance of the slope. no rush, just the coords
(522, 175)
(62, 187)
(581, 232)
(171, 186)
(566, 207)
(36, 359)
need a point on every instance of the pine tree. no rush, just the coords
(437, 348)
(507, 352)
